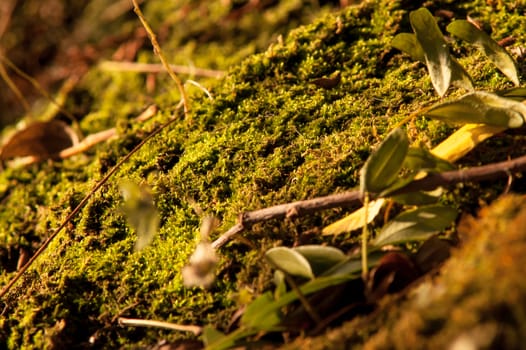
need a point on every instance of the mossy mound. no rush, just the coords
(268, 136)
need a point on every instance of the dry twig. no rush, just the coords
(158, 51)
(354, 198)
(137, 322)
(116, 66)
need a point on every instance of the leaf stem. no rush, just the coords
(365, 237)
(308, 307)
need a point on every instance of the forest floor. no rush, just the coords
(286, 101)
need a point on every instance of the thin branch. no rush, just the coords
(353, 198)
(201, 87)
(6, 10)
(365, 238)
(137, 322)
(476, 174)
(115, 66)
(12, 86)
(93, 139)
(158, 51)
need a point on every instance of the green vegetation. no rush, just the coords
(270, 135)
(478, 299)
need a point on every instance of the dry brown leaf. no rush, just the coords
(40, 140)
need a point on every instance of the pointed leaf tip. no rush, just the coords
(496, 53)
(417, 224)
(435, 49)
(481, 107)
(384, 164)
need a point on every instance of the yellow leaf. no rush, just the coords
(354, 220)
(451, 149)
(464, 140)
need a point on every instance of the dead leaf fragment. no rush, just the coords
(330, 82)
(41, 140)
(394, 272)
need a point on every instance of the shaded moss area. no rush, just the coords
(268, 136)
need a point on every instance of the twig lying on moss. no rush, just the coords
(115, 66)
(159, 324)
(81, 205)
(353, 198)
(93, 139)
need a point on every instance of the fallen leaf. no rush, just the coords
(394, 272)
(354, 220)
(330, 82)
(42, 140)
(462, 141)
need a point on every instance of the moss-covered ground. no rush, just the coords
(269, 135)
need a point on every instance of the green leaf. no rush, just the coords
(468, 32)
(436, 53)
(211, 335)
(263, 312)
(320, 257)
(229, 341)
(517, 94)
(281, 285)
(420, 159)
(289, 261)
(353, 265)
(398, 184)
(140, 212)
(481, 108)
(417, 224)
(459, 76)
(407, 42)
(382, 167)
(418, 198)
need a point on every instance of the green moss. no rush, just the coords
(268, 136)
